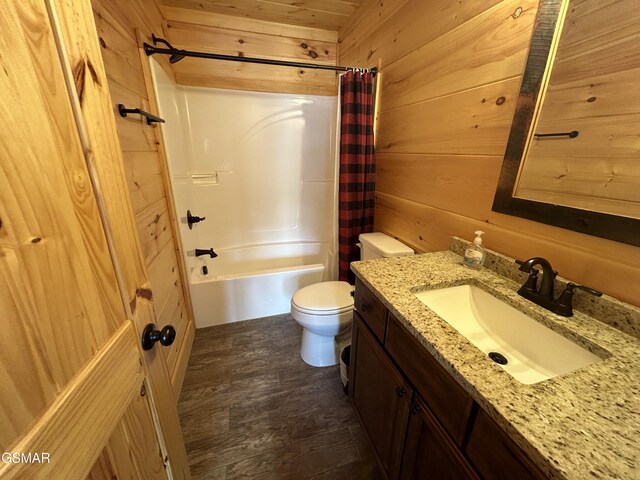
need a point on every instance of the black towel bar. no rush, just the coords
(571, 134)
(150, 117)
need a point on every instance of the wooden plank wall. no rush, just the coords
(452, 73)
(118, 22)
(228, 35)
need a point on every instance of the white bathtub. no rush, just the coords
(252, 282)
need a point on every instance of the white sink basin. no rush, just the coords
(533, 351)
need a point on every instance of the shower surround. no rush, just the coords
(261, 168)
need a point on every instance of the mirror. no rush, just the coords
(573, 155)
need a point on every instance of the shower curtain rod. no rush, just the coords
(178, 54)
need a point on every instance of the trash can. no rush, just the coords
(345, 359)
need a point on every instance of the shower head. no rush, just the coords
(176, 57)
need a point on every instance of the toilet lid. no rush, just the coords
(324, 298)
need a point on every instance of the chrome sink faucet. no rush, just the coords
(543, 296)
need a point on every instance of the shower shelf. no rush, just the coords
(205, 179)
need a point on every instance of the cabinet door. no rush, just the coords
(428, 452)
(380, 396)
(495, 455)
(446, 399)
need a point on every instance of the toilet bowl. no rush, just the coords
(325, 309)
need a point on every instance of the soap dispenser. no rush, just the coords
(474, 255)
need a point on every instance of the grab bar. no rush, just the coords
(149, 116)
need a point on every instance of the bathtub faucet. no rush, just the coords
(209, 252)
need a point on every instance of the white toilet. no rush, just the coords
(325, 309)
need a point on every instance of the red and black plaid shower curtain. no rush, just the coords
(357, 167)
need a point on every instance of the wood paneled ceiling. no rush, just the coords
(325, 14)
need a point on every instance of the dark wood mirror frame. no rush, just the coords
(612, 227)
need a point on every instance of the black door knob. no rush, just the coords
(150, 335)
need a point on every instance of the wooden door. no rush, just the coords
(77, 397)
(380, 395)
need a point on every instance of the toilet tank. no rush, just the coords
(379, 245)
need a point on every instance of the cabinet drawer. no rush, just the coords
(372, 311)
(446, 399)
(495, 455)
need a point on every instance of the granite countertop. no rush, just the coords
(579, 425)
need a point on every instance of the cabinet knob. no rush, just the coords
(400, 391)
(364, 307)
(415, 409)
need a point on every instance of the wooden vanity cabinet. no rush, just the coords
(421, 422)
(381, 397)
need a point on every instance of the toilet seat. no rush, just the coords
(326, 298)
(322, 313)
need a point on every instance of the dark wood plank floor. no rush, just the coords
(251, 408)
